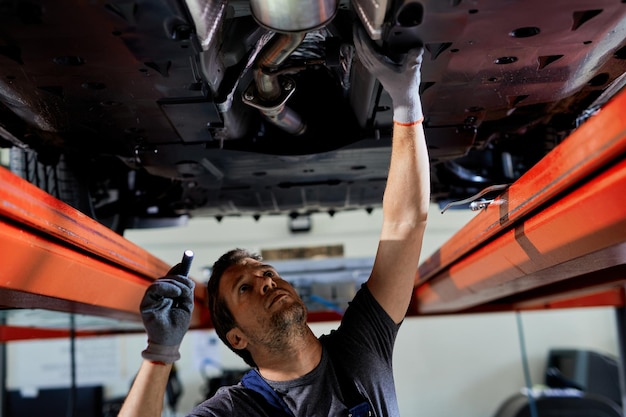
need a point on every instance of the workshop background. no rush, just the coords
(444, 365)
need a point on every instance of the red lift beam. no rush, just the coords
(556, 237)
(56, 258)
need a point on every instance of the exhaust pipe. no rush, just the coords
(270, 91)
(291, 19)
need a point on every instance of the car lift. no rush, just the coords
(56, 258)
(555, 238)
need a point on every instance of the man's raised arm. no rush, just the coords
(407, 193)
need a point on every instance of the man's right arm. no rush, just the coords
(145, 398)
(166, 313)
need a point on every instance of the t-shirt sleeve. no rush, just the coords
(233, 400)
(220, 404)
(367, 326)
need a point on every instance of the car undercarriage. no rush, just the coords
(146, 113)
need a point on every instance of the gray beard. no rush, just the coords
(285, 325)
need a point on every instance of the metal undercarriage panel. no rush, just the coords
(147, 99)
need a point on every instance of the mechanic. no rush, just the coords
(261, 317)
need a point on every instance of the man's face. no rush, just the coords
(266, 308)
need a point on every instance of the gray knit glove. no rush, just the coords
(166, 313)
(400, 80)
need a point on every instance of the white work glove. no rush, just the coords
(400, 80)
(166, 310)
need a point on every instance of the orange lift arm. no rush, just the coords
(56, 258)
(554, 238)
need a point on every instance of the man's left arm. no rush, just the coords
(407, 193)
(405, 208)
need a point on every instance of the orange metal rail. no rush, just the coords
(56, 258)
(555, 238)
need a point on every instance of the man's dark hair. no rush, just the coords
(220, 315)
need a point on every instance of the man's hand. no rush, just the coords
(400, 80)
(166, 313)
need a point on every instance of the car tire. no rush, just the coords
(57, 176)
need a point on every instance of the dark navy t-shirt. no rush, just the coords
(363, 344)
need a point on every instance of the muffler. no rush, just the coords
(288, 16)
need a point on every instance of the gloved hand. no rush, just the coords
(166, 313)
(400, 80)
